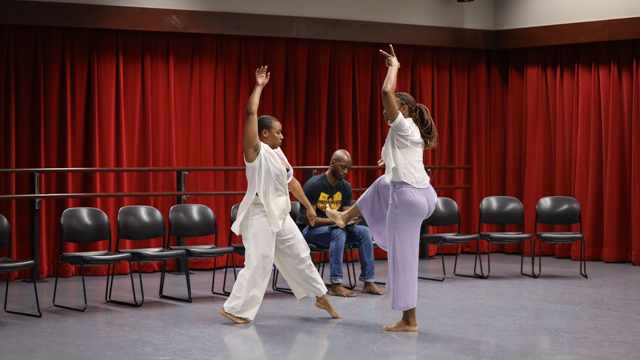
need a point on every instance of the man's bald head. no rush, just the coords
(340, 164)
(341, 155)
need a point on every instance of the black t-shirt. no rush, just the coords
(320, 193)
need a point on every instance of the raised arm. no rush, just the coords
(251, 139)
(389, 86)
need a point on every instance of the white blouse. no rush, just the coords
(403, 153)
(266, 178)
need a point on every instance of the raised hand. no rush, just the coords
(262, 76)
(391, 58)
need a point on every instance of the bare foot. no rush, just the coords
(336, 217)
(233, 318)
(323, 303)
(339, 290)
(401, 326)
(371, 288)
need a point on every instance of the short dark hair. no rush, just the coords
(265, 122)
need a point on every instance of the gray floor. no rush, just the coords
(559, 316)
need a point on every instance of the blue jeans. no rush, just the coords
(335, 239)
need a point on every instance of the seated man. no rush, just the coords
(330, 189)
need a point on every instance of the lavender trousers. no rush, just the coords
(394, 212)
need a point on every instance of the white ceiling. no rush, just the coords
(479, 14)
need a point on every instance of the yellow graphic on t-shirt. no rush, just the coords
(335, 202)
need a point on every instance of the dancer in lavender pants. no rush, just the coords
(397, 202)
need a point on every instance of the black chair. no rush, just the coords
(140, 222)
(446, 213)
(501, 210)
(84, 225)
(8, 265)
(194, 220)
(559, 210)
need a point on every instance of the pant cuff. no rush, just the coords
(335, 280)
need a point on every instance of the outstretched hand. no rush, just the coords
(391, 58)
(262, 76)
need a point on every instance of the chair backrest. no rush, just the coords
(192, 220)
(234, 213)
(558, 210)
(295, 210)
(296, 207)
(140, 222)
(501, 210)
(446, 213)
(5, 232)
(82, 225)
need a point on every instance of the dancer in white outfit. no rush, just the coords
(269, 234)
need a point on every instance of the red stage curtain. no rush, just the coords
(101, 98)
(531, 123)
(565, 121)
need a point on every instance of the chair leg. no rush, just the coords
(380, 283)
(444, 273)
(33, 279)
(583, 258)
(186, 273)
(455, 264)
(55, 287)
(539, 258)
(479, 257)
(107, 293)
(323, 262)
(352, 284)
(235, 276)
(141, 287)
(274, 282)
(532, 275)
(84, 291)
(226, 265)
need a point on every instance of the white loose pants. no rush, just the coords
(264, 247)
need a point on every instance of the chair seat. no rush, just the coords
(9, 265)
(204, 251)
(459, 238)
(238, 249)
(353, 246)
(435, 238)
(317, 248)
(505, 237)
(94, 257)
(153, 254)
(559, 237)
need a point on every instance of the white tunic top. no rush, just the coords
(403, 152)
(266, 178)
